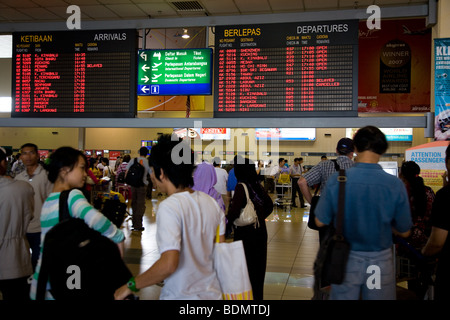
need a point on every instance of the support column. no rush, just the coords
(81, 138)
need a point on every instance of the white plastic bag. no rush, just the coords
(231, 269)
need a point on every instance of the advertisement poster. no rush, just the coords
(442, 89)
(431, 159)
(113, 155)
(394, 67)
(43, 154)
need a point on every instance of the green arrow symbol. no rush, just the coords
(145, 79)
(145, 68)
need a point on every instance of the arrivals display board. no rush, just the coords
(174, 72)
(287, 69)
(74, 74)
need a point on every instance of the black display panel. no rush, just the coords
(286, 70)
(74, 74)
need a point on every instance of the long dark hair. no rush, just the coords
(245, 171)
(60, 158)
(418, 198)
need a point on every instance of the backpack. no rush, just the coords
(135, 174)
(79, 262)
(121, 177)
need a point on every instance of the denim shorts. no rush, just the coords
(369, 276)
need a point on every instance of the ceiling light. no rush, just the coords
(185, 34)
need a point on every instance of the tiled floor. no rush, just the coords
(291, 251)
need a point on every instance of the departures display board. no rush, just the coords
(175, 72)
(74, 74)
(286, 70)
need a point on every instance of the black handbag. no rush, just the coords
(312, 215)
(331, 261)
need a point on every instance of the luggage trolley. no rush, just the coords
(283, 188)
(98, 190)
(418, 270)
(124, 190)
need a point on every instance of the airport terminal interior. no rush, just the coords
(354, 73)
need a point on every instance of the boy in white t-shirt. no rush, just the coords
(186, 227)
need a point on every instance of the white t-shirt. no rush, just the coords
(187, 222)
(275, 171)
(222, 177)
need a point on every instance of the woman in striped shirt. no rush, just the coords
(67, 170)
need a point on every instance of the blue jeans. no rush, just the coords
(363, 282)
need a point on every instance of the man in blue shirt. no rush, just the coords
(376, 204)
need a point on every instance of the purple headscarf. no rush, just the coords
(204, 180)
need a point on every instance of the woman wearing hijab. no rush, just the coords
(204, 180)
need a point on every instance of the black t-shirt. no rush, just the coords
(440, 218)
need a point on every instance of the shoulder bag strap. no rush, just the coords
(337, 167)
(64, 205)
(341, 203)
(246, 191)
(218, 234)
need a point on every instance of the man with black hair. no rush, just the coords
(376, 205)
(320, 173)
(35, 175)
(138, 193)
(187, 221)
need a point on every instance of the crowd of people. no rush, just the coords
(202, 197)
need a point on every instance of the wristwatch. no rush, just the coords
(131, 284)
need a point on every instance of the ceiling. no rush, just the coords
(16, 11)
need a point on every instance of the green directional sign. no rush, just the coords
(175, 72)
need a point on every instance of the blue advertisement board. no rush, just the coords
(442, 88)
